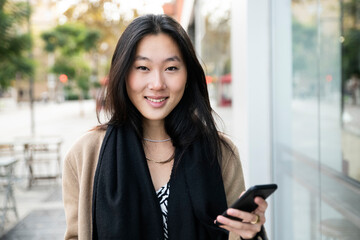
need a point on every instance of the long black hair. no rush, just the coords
(192, 118)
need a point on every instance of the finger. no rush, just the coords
(256, 219)
(245, 234)
(262, 204)
(241, 226)
(246, 231)
(230, 223)
(262, 218)
(245, 216)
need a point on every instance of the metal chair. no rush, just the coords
(7, 178)
(40, 154)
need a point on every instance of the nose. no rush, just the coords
(157, 81)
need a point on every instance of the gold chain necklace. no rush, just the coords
(162, 162)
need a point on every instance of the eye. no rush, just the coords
(142, 68)
(172, 68)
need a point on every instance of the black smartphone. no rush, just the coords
(246, 201)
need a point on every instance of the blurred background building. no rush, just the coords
(293, 65)
(284, 75)
(289, 70)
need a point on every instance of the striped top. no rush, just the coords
(163, 195)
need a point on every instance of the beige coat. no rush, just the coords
(78, 174)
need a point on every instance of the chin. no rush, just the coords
(152, 117)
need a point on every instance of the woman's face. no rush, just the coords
(157, 78)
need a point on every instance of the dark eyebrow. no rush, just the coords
(170, 59)
(141, 58)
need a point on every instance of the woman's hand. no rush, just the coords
(251, 222)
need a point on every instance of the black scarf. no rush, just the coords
(125, 204)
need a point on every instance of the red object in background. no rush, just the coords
(329, 78)
(226, 78)
(104, 81)
(225, 90)
(209, 79)
(63, 78)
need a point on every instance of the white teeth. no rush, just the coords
(156, 100)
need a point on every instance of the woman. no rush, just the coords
(158, 169)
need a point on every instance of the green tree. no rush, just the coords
(350, 53)
(351, 38)
(93, 14)
(71, 43)
(14, 44)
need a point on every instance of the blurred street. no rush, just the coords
(67, 120)
(286, 94)
(40, 208)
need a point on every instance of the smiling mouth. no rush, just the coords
(156, 100)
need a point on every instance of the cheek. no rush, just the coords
(132, 85)
(131, 93)
(182, 87)
(179, 84)
(128, 88)
(177, 88)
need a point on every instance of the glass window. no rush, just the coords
(350, 76)
(316, 118)
(213, 47)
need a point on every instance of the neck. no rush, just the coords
(155, 130)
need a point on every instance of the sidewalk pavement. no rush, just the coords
(40, 209)
(46, 218)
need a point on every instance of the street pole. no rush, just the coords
(31, 79)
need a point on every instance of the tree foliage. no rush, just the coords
(351, 53)
(351, 35)
(70, 39)
(70, 43)
(92, 14)
(14, 43)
